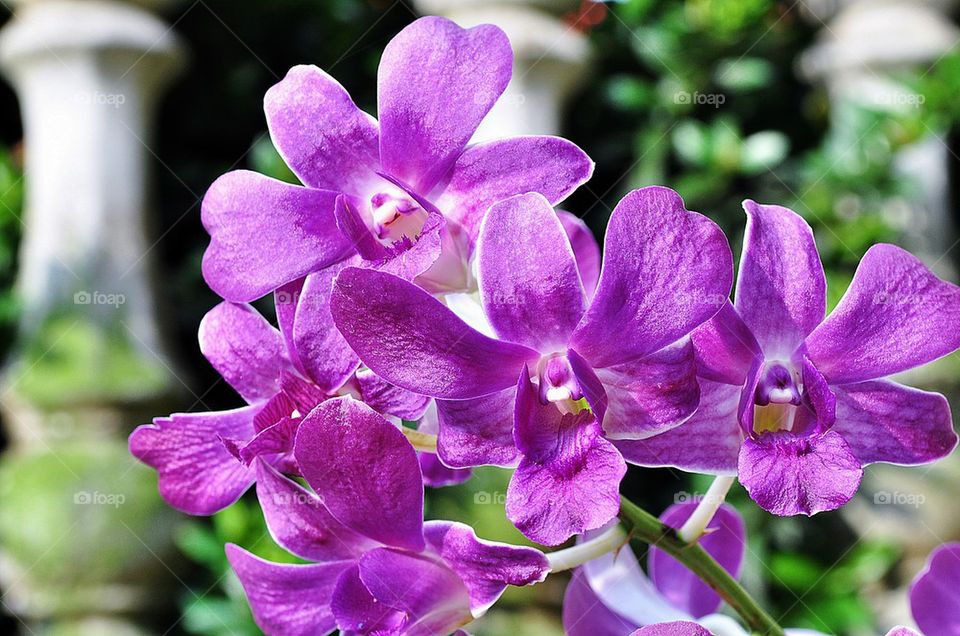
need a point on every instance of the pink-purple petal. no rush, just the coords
(265, 233)
(709, 442)
(197, 474)
(495, 170)
(788, 474)
(436, 82)
(365, 471)
(431, 596)
(299, 522)
(478, 432)
(326, 140)
(388, 399)
(569, 476)
(887, 422)
(358, 612)
(244, 348)
(619, 583)
(935, 593)
(486, 568)
(412, 340)
(288, 600)
(725, 347)
(325, 356)
(584, 614)
(895, 315)
(585, 249)
(781, 289)
(676, 628)
(527, 273)
(650, 395)
(725, 541)
(436, 474)
(665, 271)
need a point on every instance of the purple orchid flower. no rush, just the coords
(796, 404)
(935, 594)
(611, 595)
(665, 271)
(204, 459)
(377, 567)
(378, 188)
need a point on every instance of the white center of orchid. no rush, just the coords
(396, 216)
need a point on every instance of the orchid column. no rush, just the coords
(90, 360)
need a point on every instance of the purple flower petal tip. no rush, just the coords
(788, 474)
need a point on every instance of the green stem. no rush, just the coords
(647, 528)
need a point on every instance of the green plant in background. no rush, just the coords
(11, 212)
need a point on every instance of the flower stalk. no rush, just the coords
(647, 528)
(696, 526)
(569, 558)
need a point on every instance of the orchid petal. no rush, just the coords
(388, 399)
(585, 248)
(584, 614)
(569, 477)
(197, 474)
(650, 395)
(529, 283)
(265, 233)
(665, 271)
(725, 541)
(709, 442)
(725, 347)
(788, 474)
(412, 340)
(436, 82)
(895, 315)
(486, 568)
(478, 432)
(292, 600)
(886, 422)
(365, 471)
(244, 348)
(495, 170)
(781, 289)
(299, 522)
(431, 596)
(935, 593)
(326, 140)
(326, 357)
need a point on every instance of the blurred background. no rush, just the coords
(116, 116)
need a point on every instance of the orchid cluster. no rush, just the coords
(435, 313)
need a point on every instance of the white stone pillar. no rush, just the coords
(550, 57)
(84, 536)
(88, 74)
